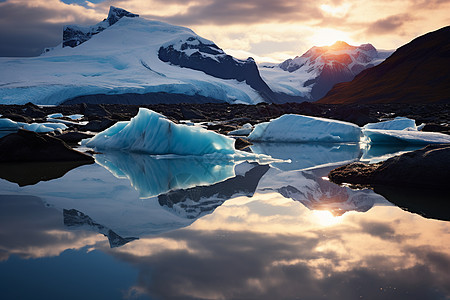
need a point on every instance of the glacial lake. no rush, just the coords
(135, 226)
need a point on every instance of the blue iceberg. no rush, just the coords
(399, 123)
(152, 133)
(293, 128)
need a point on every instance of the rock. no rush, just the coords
(355, 115)
(28, 146)
(426, 168)
(191, 113)
(98, 125)
(198, 54)
(241, 144)
(92, 111)
(74, 137)
(74, 35)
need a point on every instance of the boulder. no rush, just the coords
(425, 168)
(28, 146)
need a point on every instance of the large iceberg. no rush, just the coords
(299, 128)
(152, 133)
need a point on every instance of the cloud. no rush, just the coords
(388, 25)
(220, 12)
(25, 30)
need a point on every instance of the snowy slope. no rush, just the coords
(122, 58)
(314, 73)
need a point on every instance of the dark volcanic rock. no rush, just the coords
(355, 115)
(191, 113)
(98, 125)
(74, 137)
(28, 146)
(427, 167)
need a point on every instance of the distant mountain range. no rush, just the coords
(130, 60)
(417, 72)
(314, 73)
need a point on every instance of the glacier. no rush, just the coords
(152, 133)
(299, 128)
(122, 58)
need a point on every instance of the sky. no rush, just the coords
(267, 30)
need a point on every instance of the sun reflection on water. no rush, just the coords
(326, 218)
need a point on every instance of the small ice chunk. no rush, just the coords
(298, 128)
(76, 117)
(7, 124)
(399, 123)
(150, 132)
(244, 130)
(377, 136)
(57, 115)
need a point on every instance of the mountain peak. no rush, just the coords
(340, 45)
(74, 35)
(115, 14)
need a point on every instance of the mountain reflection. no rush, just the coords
(267, 248)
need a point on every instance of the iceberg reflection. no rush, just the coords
(154, 175)
(307, 155)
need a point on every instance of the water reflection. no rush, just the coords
(151, 175)
(247, 232)
(376, 153)
(308, 155)
(270, 248)
(316, 193)
(198, 201)
(29, 173)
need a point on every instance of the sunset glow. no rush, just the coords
(265, 30)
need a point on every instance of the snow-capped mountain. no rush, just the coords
(126, 54)
(314, 73)
(416, 73)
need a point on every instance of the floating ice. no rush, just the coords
(57, 115)
(150, 132)
(9, 125)
(299, 128)
(42, 127)
(399, 123)
(244, 130)
(376, 136)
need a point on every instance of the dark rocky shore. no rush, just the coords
(228, 117)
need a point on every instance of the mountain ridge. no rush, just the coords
(414, 73)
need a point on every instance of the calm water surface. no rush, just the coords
(140, 227)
